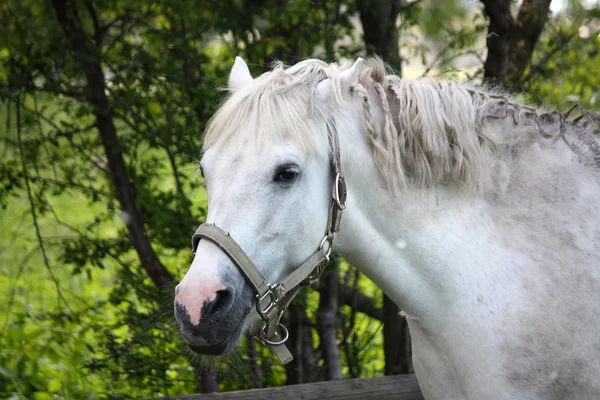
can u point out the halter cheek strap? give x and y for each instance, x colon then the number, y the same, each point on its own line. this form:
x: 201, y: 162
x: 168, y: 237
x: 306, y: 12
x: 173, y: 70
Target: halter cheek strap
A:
x: 273, y: 300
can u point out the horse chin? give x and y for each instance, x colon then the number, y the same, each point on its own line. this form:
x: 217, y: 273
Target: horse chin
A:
x: 223, y: 341
x: 213, y: 350
x: 221, y: 347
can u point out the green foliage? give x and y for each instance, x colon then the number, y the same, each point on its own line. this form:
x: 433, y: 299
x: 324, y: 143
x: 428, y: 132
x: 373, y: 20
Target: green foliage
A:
x: 441, y: 39
x: 80, y: 318
x: 566, y: 66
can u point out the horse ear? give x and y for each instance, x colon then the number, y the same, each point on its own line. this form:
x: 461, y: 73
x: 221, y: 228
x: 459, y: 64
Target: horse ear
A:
x: 350, y: 77
x: 240, y: 75
x: 347, y: 80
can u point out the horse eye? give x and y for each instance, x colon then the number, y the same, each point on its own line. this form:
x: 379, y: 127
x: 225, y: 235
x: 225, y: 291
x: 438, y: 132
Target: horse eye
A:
x: 287, y: 174
x: 201, y: 170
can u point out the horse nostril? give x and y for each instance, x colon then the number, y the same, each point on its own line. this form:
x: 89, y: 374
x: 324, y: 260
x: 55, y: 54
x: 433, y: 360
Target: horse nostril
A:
x: 221, y: 304
x: 197, y: 319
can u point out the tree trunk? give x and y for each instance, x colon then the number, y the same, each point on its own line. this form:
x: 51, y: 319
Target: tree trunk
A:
x: 207, y: 381
x: 530, y: 24
x: 327, y: 325
x: 396, y: 340
x: 511, y: 43
x: 303, y: 367
x: 253, y: 359
x: 378, y: 18
x: 88, y: 52
x: 501, y: 22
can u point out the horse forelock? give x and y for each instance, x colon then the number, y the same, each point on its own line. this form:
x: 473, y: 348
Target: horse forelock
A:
x: 433, y: 132
x: 278, y: 105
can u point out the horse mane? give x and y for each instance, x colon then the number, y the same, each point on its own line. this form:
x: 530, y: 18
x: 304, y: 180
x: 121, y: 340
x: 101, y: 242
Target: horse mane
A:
x: 433, y: 132
x: 440, y: 132
x: 279, y: 104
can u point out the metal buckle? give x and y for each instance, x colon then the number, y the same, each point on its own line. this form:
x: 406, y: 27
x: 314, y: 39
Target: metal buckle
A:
x: 340, y: 192
x: 316, y: 275
x: 265, y: 341
x: 272, y: 303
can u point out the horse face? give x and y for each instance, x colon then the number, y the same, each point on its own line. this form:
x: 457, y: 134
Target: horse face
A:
x: 274, y: 205
x: 273, y: 201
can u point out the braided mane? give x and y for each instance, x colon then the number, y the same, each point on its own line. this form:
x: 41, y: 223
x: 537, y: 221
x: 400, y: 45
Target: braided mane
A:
x: 433, y: 132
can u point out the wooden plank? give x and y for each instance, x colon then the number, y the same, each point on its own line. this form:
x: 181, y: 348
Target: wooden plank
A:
x: 398, y: 387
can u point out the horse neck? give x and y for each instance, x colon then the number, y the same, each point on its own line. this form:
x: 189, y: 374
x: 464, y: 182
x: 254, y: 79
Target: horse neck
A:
x: 404, y: 243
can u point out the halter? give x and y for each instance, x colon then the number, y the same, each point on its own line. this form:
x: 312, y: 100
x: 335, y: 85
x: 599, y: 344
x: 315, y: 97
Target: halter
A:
x: 273, y: 299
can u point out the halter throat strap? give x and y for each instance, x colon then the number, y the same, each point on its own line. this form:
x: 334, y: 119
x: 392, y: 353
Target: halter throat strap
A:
x: 273, y: 299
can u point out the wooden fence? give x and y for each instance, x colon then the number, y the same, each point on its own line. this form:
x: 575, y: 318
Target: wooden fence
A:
x: 398, y: 387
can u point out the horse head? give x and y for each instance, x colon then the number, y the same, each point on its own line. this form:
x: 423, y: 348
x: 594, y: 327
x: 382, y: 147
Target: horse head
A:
x: 275, y: 192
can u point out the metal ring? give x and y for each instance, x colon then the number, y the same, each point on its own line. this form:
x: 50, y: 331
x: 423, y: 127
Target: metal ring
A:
x: 328, y: 252
x: 340, y: 197
x: 328, y: 238
x: 323, y: 241
x: 263, y: 335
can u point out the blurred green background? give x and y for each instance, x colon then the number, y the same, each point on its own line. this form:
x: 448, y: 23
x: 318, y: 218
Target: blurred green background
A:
x: 102, y: 109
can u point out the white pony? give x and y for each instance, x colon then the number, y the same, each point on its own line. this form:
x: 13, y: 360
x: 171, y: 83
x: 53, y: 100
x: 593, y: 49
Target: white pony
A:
x: 476, y: 215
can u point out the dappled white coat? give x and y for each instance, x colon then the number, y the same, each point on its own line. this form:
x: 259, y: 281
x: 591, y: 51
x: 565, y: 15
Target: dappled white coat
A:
x: 477, y: 216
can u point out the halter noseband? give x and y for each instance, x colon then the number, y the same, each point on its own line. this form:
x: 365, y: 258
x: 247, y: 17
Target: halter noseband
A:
x: 273, y: 300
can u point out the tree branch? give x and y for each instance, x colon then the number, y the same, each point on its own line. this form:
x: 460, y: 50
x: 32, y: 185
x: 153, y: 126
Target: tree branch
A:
x: 559, y: 45
x: 96, y: 22
x: 32, y: 207
x: 90, y: 57
x: 51, y: 90
x: 74, y: 185
x: 408, y: 6
x: 360, y: 302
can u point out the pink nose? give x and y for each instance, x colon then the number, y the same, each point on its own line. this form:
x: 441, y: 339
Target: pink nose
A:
x: 199, y: 305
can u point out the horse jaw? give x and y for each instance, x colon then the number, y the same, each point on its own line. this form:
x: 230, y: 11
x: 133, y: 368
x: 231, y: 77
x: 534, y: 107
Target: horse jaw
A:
x: 240, y: 75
